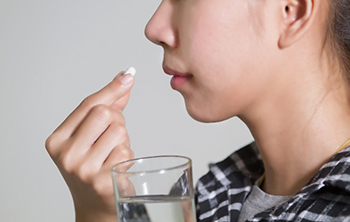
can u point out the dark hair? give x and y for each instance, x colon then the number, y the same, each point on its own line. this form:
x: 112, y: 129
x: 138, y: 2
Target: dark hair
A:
x: 340, y: 33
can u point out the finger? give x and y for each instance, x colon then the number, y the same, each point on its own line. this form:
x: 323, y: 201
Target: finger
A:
x: 121, y: 103
x: 108, y: 95
x: 187, y: 209
x: 125, y: 186
x: 114, y: 136
x: 94, y: 125
x: 104, y: 185
x: 119, y: 154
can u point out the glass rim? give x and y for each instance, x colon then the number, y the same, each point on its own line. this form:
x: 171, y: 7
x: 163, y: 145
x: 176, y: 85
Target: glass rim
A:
x: 188, y: 163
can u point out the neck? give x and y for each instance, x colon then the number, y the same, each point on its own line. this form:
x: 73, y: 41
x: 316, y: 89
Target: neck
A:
x: 301, y: 134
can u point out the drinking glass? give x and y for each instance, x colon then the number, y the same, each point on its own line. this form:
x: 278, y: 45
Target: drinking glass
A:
x: 154, y: 189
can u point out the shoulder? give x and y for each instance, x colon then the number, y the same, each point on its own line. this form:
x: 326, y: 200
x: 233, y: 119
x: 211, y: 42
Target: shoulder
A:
x: 326, y: 197
x: 326, y: 204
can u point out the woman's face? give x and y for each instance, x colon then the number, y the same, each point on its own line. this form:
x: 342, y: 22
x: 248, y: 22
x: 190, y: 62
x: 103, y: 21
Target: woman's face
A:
x: 225, y: 48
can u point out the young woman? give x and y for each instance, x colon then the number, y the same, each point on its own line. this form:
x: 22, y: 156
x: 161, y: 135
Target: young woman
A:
x: 282, y: 66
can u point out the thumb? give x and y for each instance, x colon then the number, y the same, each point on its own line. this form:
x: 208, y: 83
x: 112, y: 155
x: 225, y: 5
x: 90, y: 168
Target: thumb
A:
x: 121, y: 103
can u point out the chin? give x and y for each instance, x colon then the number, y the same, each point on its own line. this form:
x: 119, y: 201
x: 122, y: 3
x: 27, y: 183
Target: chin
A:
x: 206, y: 115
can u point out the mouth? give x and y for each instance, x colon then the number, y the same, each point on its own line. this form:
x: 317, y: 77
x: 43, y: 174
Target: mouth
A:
x: 179, y: 78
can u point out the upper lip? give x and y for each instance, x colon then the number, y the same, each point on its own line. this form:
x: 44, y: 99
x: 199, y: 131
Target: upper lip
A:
x: 172, y: 72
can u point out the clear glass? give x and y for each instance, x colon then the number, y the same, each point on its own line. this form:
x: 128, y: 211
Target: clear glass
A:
x: 154, y: 189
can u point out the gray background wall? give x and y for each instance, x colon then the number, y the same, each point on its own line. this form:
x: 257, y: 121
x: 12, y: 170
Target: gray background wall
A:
x: 53, y: 53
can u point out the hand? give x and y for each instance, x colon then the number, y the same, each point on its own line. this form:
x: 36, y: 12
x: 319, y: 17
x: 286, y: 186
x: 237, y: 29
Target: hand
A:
x: 87, y: 144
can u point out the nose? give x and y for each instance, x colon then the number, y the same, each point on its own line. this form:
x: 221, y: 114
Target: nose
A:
x: 160, y: 29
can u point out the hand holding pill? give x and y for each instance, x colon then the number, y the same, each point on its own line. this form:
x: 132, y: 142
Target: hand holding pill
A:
x: 88, y: 143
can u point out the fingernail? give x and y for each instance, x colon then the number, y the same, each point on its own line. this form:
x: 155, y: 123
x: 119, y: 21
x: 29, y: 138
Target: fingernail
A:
x: 126, y: 79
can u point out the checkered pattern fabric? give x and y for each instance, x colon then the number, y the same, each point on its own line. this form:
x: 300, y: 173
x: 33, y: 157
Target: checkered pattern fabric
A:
x: 222, y: 191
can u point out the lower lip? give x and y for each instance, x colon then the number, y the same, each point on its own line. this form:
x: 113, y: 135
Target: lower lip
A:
x: 178, y: 81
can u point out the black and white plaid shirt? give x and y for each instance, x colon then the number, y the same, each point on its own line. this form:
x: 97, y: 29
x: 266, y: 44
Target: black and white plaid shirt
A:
x: 222, y: 191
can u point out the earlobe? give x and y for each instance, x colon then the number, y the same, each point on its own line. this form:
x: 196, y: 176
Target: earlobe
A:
x: 297, y: 18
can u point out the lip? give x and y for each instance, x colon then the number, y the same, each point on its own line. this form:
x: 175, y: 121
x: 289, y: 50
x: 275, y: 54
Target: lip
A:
x: 179, y: 78
x: 172, y: 72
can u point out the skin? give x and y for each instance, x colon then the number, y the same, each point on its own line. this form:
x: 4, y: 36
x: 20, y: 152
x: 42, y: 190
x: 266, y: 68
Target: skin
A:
x: 267, y: 62
x: 88, y: 143
x: 274, y: 73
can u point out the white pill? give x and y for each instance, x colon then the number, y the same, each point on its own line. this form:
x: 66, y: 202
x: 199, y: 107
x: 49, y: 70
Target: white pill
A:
x: 130, y: 70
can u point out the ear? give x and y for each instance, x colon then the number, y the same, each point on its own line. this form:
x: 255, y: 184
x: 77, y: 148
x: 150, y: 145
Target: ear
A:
x: 297, y: 18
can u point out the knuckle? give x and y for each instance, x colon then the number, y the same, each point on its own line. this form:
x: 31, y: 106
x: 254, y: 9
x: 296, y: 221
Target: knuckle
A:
x: 88, y: 102
x: 131, y: 154
x: 66, y: 161
x: 120, y: 118
x: 83, y: 172
x: 126, y: 153
x: 50, y: 143
x: 119, y: 131
x: 102, y: 112
x: 53, y: 145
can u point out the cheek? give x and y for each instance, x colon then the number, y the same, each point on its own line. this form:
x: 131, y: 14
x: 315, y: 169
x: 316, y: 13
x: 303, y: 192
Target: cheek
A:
x: 220, y: 52
x: 216, y: 39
